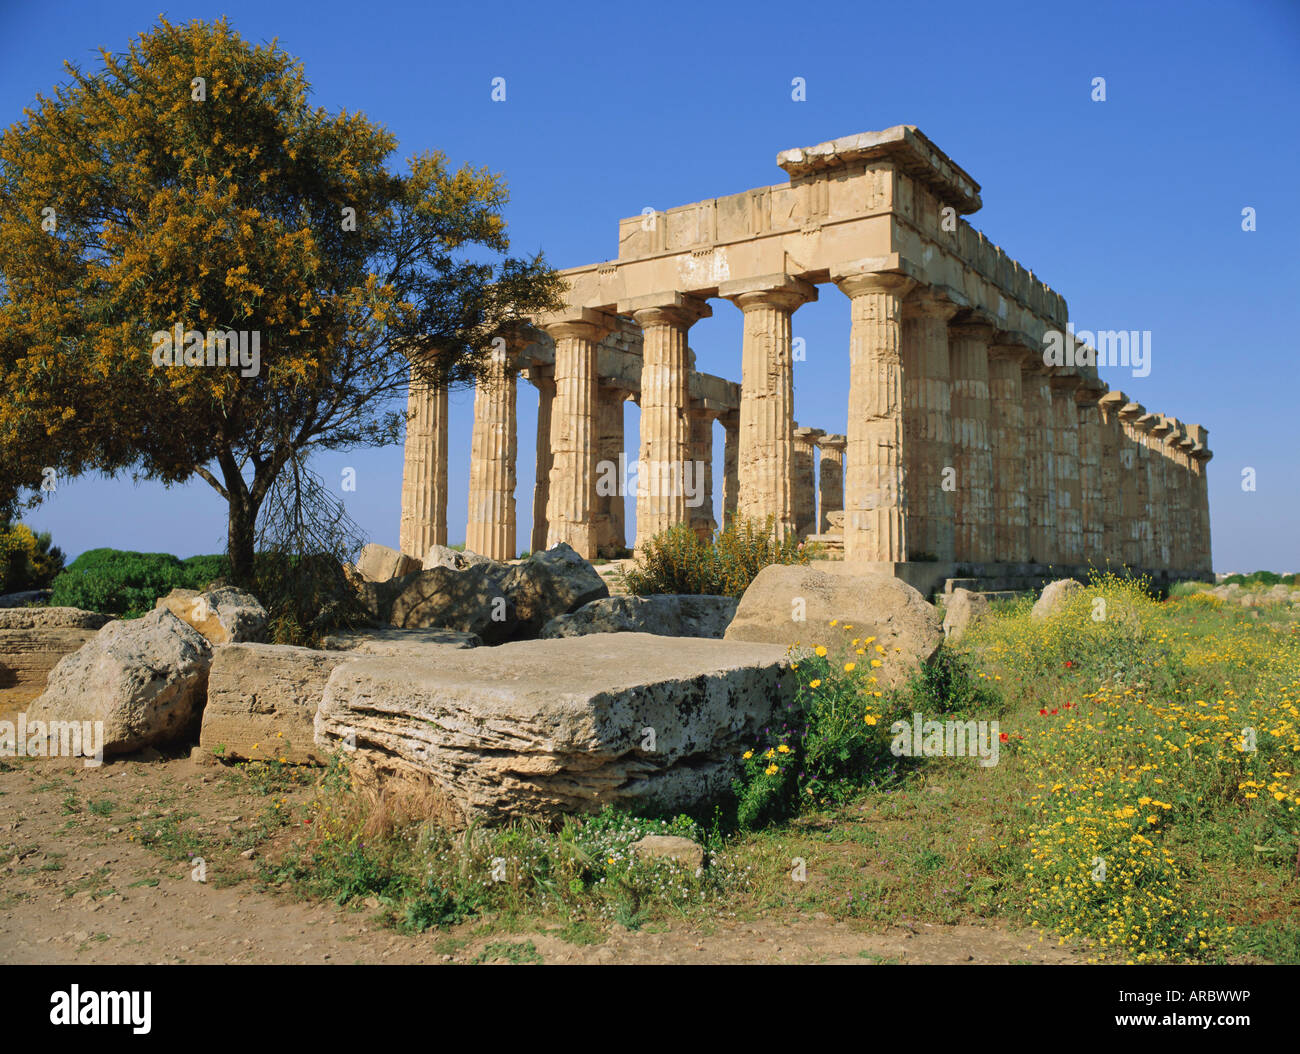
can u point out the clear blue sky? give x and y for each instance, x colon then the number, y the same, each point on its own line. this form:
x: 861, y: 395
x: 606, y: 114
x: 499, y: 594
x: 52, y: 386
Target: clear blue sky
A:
x: 1130, y: 208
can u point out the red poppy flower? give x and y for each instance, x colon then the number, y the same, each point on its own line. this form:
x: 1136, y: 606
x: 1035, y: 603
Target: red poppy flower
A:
x: 1003, y: 737
x: 1068, y: 664
x: 1053, y: 709
x: 1042, y: 713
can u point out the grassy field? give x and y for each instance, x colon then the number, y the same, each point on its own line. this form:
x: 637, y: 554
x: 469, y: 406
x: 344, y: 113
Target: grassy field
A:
x: 1142, y: 807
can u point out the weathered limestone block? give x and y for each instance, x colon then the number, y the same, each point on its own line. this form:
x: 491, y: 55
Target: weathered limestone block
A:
x: 470, y: 601
x: 794, y: 605
x: 32, y: 641
x: 378, y: 563
x: 1054, y: 596
x: 262, y: 701
x: 144, y: 678
x: 961, y: 607
x: 667, y: 615
x: 670, y: 847
x: 549, y: 584
x: 543, y: 728
x: 224, y: 615
x: 389, y: 640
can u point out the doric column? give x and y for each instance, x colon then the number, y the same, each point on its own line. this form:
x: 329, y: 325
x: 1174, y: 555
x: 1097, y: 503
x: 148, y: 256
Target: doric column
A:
x: 543, y: 378
x: 571, y: 510
x: 491, y: 528
x: 1115, y: 528
x: 1091, y: 511
x: 830, y: 478
x: 610, y: 533
x: 730, y: 466
x: 972, y: 451
x: 1069, y: 498
x: 804, y: 483
x: 1134, y: 460
x: 665, y: 320
x: 699, y: 478
x: 875, y: 488
x: 1186, y: 445
x: 1040, y: 461
x: 1176, y: 494
x: 767, y: 394
x: 927, y: 424
x: 1154, y: 429
x: 1201, y: 497
x: 424, y: 471
x: 1007, y: 438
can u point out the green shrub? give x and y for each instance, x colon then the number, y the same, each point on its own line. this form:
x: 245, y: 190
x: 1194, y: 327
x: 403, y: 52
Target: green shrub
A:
x: 830, y: 740
x: 679, y: 561
x: 119, y: 582
x: 27, y: 559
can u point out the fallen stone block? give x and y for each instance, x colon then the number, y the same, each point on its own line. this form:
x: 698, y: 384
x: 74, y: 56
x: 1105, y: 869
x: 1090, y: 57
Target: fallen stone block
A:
x: 542, y: 728
x: 144, y: 678
x: 794, y: 605
x: 469, y: 601
x: 667, y: 615
x: 262, y: 701
x: 549, y: 584
x: 378, y: 563
x: 225, y: 615
x: 32, y: 641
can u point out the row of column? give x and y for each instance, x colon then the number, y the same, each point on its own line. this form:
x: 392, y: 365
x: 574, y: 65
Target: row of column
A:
x: 961, y: 445
x: 964, y: 446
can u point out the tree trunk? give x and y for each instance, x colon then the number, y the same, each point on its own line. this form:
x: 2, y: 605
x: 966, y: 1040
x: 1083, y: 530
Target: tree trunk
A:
x: 240, y: 540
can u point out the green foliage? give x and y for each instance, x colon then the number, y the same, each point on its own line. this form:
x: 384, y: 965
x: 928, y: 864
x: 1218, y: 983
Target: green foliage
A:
x: 679, y: 561
x: 27, y: 560
x: 118, y: 582
x: 1262, y: 578
x: 948, y: 684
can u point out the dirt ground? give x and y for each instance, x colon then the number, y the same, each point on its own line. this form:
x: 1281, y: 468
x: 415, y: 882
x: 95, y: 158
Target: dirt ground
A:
x: 77, y: 886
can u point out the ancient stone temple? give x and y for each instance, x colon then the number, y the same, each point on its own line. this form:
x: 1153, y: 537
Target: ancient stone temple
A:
x: 970, y: 450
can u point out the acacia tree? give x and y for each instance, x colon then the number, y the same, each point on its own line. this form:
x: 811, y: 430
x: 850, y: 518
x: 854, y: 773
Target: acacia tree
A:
x: 189, y: 185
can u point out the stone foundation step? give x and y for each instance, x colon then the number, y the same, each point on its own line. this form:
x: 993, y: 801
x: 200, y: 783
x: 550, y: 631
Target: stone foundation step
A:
x: 961, y: 583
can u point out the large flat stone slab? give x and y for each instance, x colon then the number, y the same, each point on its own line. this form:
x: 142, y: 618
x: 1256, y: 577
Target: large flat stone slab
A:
x: 32, y: 641
x: 547, y: 727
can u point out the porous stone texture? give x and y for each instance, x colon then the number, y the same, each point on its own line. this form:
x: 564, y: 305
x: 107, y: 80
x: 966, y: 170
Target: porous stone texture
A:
x: 225, y: 615
x: 793, y: 605
x: 542, y: 728
x: 378, y: 563
x: 549, y: 584
x: 32, y: 641
x: 262, y: 700
x: 470, y: 601
x: 144, y: 678
x: 670, y: 847
x: 667, y: 615
x: 1053, y: 597
x: 388, y: 640
x: 961, y: 607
